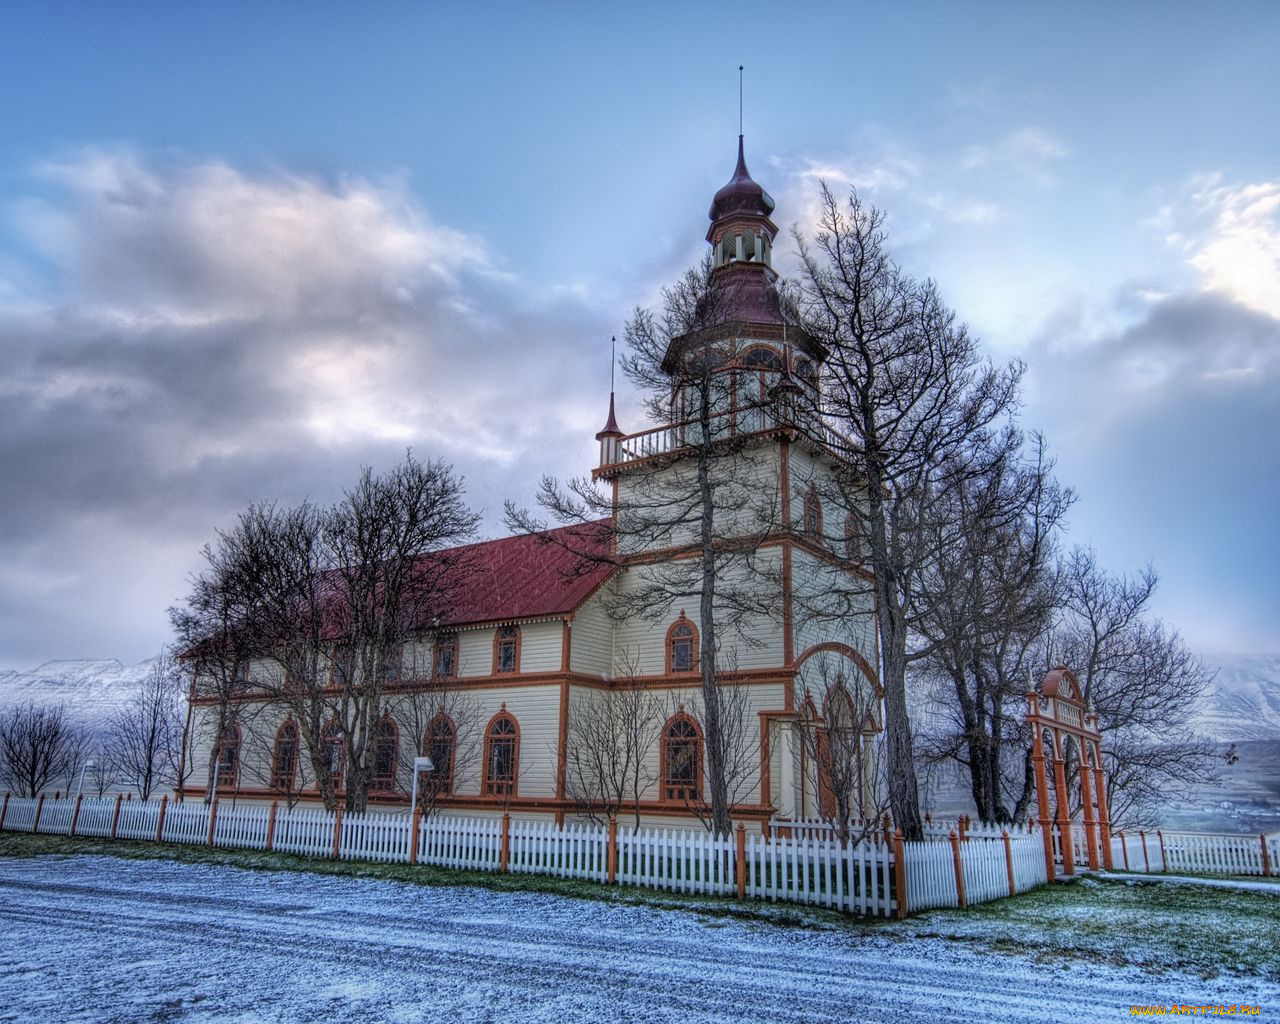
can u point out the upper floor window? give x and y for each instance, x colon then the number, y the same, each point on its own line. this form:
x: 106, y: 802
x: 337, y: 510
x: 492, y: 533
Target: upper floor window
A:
x: 446, y: 656
x: 386, y: 743
x: 228, y: 766
x: 852, y: 537
x: 506, y: 650
x: 331, y: 746
x: 439, y: 744
x: 393, y: 665
x: 681, y: 759
x: 501, y: 755
x: 811, y: 516
x: 342, y: 664
x: 284, y: 762
x: 682, y: 646
x: 242, y: 675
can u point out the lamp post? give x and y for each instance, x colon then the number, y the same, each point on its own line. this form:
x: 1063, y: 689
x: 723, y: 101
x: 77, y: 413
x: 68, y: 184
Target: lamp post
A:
x: 420, y: 764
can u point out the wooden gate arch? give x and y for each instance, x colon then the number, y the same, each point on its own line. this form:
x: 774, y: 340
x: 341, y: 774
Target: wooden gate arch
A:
x: 1061, y: 723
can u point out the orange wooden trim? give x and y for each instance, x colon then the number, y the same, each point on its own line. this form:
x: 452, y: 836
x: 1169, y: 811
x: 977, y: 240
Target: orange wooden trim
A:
x: 741, y: 863
x: 1064, y: 819
x: 766, y: 780
x: 788, y: 625
x: 415, y: 835
x: 959, y: 868
x: 498, y: 641
x: 613, y: 849
x: 271, y: 824
x: 506, y: 842
x: 566, y: 634
x: 899, y: 872
x: 278, y: 781
x: 1008, y: 860
x: 962, y: 823
x: 35, y: 825
x: 562, y: 746
x: 669, y: 644
x: 213, y: 817
x: 164, y: 804
x: 115, y: 819
x: 75, y: 814
x: 337, y: 832
x: 848, y: 652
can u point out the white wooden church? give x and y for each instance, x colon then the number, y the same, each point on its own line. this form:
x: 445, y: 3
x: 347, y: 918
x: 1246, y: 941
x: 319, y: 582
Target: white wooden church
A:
x: 538, y: 638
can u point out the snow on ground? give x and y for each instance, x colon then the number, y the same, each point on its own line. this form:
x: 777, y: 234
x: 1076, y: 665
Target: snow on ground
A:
x: 101, y: 939
x: 1239, y: 884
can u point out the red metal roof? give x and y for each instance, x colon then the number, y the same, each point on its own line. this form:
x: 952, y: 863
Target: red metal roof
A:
x: 525, y: 577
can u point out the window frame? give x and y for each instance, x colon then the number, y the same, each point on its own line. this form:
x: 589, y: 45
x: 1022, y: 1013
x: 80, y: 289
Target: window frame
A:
x: 382, y: 782
x: 499, y: 641
x: 678, y: 791
x: 331, y: 738
x: 229, y: 778
x: 278, y: 779
x: 683, y: 622
x: 441, y: 776
x: 445, y: 642
x: 493, y: 786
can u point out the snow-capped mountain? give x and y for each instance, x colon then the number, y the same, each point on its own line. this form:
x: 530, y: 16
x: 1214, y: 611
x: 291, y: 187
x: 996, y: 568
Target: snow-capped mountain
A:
x: 90, y: 689
x: 1244, y: 700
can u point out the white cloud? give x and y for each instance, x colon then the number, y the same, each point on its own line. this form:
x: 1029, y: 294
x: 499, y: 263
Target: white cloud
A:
x: 1238, y: 254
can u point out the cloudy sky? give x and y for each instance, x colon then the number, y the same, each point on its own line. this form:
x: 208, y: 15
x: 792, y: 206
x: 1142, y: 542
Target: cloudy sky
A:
x: 245, y: 249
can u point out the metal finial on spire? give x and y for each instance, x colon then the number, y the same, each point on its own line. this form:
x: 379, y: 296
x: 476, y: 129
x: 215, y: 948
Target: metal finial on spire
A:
x: 613, y: 359
x: 739, y: 99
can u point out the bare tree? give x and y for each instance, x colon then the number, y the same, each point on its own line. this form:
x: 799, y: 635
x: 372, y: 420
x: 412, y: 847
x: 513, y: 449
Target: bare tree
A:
x: 40, y: 746
x: 994, y: 588
x: 1143, y: 682
x: 698, y: 497
x: 144, y: 737
x: 910, y: 394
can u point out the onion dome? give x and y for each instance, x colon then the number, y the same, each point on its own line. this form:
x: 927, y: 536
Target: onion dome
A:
x: 742, y: 195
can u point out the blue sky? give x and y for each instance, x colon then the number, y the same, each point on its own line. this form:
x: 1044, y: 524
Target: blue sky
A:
x: 244, y: 248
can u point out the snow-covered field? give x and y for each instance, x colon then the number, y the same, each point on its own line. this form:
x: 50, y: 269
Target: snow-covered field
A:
x: 102, y: 939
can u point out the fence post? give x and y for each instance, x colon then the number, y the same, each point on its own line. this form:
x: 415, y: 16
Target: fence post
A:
x: 115, y: 818
x: 955, y: 859
x: 888, y: 829
x: 740, y: 863
x: 1164, y: 861
x: 35, y: 825
x: 164, y: 803
x: 962, y: 823
x: 1266, y: 858
x: 1124, y: 848
x: 1146, y: 861
x: 75, y: 815
x: 504, y: 856
x: 764, y: 829
x: 213, y: 818
x: 1008, y: 861
x: 900, y: 872
x: 271, y: 824
x: 415, y: 823
x: 337, y: 832
x: 613, y: 849
x: 4, y: 811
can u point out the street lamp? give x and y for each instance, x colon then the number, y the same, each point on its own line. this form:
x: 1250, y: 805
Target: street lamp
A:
x: 420, y: 764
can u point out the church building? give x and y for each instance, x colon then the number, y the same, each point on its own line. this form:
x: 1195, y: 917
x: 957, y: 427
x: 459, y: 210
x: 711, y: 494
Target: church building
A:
x: 552, y: 625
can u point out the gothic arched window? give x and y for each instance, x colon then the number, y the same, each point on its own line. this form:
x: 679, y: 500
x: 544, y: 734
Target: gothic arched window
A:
x: 852, y: 537
x: 681, y: 759
x: 811, y: 516
x: 506, y: 650
x: 284, y: 761
x: 386, y: 748
x: 331, y: 746
x: 501, y: 755
x: 439, y: 745
x: 228, y: 756
x: 682, y: 646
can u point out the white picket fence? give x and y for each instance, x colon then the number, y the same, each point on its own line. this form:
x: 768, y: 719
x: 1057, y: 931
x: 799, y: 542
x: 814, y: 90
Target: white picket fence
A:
x: 1196, y: 853
x: 803, y: 864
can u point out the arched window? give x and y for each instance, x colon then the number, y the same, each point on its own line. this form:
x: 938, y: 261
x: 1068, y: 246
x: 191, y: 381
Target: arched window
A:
x: 681, y: 759
x: 760, y: 368
x: 284, y: 762
x: 446, y: 659
x: 840, y: 757
x: 228, y: 757
x: 342, y: 665
x: 331, y: 744
x: 439, y: 744
x: 386, y: 744
x: 811, y: 517
x: 506, y: 650
x: 682, y: 646
x: 501, y: 755
x: 393, y: 665
x: 852, y: 538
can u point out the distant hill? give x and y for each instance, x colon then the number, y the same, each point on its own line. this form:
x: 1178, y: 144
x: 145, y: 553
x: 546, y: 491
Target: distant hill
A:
x: 1245, y: 703
x: 90, y: 689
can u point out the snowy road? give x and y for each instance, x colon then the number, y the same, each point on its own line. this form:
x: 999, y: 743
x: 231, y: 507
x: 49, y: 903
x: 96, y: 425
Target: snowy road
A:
x: 100, y: 939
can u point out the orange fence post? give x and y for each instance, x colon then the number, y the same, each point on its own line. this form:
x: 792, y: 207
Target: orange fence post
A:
x: 900, y: 873
x: 505, y: 855
x: 213, y: 818
x: 1164, y: 861
x: 115, y: 818
x: 955, y: 860
x: 164, y: 804
x: 1008, y: 860
x: 75, y: 814
x: 415, y: 824
x: 962, y: 823
x: 741, y: 861
x: 1146, y: 861
x: 35, y: 825
x: 271, y: 824
x: 613, y: 849
x: 1124, y: 849
x: 4, y: 811
x: 337, y: 832
x: 1266, y: 857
